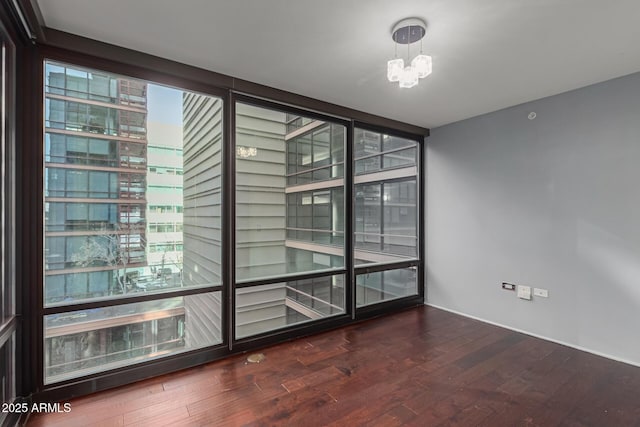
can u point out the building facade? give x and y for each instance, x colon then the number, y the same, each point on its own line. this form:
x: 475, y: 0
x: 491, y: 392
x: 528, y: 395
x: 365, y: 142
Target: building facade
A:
x: 95, y: 181
x: 98, y: 241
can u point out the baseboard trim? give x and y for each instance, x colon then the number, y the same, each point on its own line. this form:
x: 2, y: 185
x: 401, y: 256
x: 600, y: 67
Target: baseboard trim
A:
x: 577, y: 347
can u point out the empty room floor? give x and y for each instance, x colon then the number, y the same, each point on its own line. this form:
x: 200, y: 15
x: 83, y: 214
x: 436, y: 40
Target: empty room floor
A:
x: 423, y: 367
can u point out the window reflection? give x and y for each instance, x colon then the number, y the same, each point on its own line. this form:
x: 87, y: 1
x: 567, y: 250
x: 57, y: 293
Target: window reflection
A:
x: 290, y: 195
x: 386, y: 198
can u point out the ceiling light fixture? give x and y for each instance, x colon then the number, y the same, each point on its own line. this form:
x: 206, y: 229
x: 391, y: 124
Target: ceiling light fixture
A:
x: 409, y: 31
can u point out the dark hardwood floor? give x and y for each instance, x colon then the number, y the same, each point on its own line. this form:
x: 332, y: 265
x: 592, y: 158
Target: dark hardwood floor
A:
x: 423, y: 367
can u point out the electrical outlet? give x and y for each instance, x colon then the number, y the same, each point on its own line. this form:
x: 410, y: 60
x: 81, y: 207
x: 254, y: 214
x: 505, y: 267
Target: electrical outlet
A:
x: 508, y: 286
x: 524, y: 292
x: 539, y: 292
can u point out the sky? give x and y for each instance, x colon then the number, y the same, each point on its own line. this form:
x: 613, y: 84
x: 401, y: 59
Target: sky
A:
x: 164, y: 104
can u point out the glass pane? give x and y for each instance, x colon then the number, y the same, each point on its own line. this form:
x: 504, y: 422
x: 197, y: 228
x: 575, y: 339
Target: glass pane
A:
x: 400, y: 218
x: 381, y: 286
x: 386, y: 201
x: 84, y: 342
x: 268, y: 307
x: 399, y: 158
x: 375, y: 152
x: 133, y: 189
x: 282, y: 226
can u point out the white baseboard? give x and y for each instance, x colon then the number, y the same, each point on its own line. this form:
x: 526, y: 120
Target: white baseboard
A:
x: 577, y: 347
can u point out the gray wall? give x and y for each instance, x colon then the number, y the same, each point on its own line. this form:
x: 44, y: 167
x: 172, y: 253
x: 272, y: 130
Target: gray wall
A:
x: 553, y: 203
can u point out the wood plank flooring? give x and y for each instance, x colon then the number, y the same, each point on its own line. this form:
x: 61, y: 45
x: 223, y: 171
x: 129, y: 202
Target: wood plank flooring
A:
x: 422, y: 367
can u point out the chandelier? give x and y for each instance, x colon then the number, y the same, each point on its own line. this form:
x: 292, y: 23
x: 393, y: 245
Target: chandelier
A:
x: 409, y: 31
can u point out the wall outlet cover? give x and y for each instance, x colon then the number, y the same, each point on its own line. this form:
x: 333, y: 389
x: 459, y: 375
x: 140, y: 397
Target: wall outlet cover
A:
x: 539, y: 292
x: 524, y: 292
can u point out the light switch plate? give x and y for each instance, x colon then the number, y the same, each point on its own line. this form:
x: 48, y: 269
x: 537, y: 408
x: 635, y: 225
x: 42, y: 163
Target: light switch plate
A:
x: 524, y: 292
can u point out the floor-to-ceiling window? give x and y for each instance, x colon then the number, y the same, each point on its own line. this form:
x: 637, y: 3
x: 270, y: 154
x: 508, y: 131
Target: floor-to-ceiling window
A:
x: 181, y: 224
x: 132, y: 207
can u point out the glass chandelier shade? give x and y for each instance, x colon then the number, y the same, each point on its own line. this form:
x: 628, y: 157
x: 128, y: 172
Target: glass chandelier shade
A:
x: 395, y: 68
x: 409, y: 77
x: 423, y: 65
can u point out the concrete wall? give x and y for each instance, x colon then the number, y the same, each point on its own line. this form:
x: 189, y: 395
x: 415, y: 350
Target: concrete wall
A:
x: 553, y: 203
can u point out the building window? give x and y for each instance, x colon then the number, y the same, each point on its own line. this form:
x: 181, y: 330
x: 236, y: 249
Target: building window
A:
x: 126, y: 178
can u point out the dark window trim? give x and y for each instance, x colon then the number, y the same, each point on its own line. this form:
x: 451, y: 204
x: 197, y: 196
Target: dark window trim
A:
x: 140, y: 297
x: 18, y: 34
x: 350, y: 223
x: 389, y: 306
x: 395, y: 265
x: 285, y: 107
x: 290, y: 278
x: 139, y: 72
x: 392, y: 131
x: 127, y: 374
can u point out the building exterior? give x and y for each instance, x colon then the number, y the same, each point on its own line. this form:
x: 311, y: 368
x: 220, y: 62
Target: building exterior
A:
x: 289, y: 218
x: 164, y: 207
x: 386, y: 207
x: 98, y: 241
x: 95, y: 182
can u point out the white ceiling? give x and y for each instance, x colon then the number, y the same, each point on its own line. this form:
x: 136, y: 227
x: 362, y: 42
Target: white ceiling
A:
x: 487, y: 54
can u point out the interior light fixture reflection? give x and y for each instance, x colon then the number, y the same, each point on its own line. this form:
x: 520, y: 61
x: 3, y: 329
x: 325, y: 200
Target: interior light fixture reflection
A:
x: 246, y: 152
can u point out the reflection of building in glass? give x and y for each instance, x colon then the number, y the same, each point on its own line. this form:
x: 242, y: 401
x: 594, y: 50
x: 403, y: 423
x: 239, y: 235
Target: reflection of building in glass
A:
x: 202, y: 159
x: 81, y: 342
x: 96, y: 155
x: 202, y: 137
x: 87, y: 341
x: 289, y: 218
x: 386, y: 226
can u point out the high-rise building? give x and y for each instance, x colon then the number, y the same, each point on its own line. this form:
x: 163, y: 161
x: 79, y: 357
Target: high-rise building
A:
x: 95, y: 179
x: 97, y: 185
x: 164, y: 206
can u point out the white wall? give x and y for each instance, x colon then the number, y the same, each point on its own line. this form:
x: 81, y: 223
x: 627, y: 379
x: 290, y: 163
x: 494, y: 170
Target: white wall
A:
x: 552, y: 202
